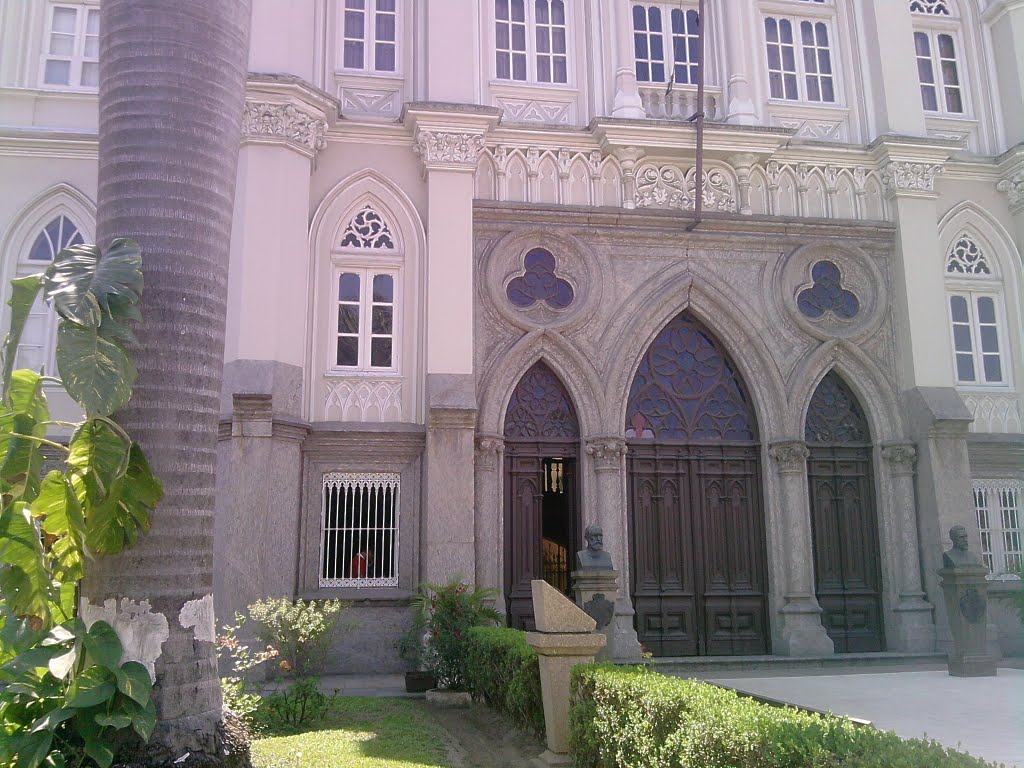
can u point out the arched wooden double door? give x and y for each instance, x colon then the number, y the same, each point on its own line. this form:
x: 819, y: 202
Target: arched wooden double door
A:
x: 542, y: 527
x: 698, y: 577
x: 847, y: 571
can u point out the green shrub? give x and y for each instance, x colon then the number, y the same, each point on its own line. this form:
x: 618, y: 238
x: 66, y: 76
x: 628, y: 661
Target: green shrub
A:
x: 299, y: 630
x: 635, y: 717
x: 295, y: 705
x: 448, y: 612
x: 502, y: 670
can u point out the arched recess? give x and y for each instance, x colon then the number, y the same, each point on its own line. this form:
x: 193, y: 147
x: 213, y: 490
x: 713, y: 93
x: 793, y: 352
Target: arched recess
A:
x: 542, y: 516
x: 334, y: 392
x: 698, y: 573
x: 59, y: 217
x: 844, y: 520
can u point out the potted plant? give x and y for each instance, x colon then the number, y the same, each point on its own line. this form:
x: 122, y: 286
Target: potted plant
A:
x: 447, y: 611
x: 412, y: 650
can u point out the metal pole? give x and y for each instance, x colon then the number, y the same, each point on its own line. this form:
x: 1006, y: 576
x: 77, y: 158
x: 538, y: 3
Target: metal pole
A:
x: 698, y: 118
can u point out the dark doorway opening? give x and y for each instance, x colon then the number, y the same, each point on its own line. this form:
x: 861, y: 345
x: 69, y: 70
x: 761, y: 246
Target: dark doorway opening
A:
x: 542, y: 521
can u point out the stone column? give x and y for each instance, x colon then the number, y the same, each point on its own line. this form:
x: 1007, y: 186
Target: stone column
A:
x: 626, y: 102
x: 798, y: 630
x: 608, y: 455
x: 742, y: 164
x: 913, y: 626
x: 1005, y: 22
x: 489, y: 516
x: 740, y: 51
x: 449, y: 142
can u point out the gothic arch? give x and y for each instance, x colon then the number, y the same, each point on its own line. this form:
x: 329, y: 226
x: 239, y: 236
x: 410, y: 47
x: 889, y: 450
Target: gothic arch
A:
x: 865, y: 379
x: 332, y: 216
x: 577, y: 375
x: 718, y: 308
x: 999, y: 244
x: 58, y: 199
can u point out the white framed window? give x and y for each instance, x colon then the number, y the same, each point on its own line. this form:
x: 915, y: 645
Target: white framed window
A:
x: 938, y: 72
x: 39, y: 337
x: 359, y: 529
x: 654, y: 25
x: 367, y: 284
x: 70, y: 55
x: 974, y: 303
x: 799, y: 59
x: 370, y: 36
x: 998, y: 508
x: 530, y: 41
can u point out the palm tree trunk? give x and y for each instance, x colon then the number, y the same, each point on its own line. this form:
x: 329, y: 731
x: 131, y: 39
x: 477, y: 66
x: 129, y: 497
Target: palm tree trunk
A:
x: 172, y: 88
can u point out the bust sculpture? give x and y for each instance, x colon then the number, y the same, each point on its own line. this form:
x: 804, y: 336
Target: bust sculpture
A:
x: 594, y: 556
x: 958, y: 555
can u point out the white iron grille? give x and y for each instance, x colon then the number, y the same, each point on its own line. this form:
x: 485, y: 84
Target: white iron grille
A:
x: 997, y: 503
x: 359, y: 524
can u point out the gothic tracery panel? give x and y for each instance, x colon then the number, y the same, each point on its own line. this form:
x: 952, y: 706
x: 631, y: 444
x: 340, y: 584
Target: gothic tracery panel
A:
x: 965, y: 257
x: 834, y: 415
x: 541, y: 408
x: 368, y: 229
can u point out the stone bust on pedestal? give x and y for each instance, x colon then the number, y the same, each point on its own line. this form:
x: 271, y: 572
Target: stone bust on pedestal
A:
x: 965, y: 589
x: 594, y: 556
x: 958, y: 555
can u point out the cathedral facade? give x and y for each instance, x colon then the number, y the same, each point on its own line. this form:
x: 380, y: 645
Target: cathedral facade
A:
x: 473, y: 308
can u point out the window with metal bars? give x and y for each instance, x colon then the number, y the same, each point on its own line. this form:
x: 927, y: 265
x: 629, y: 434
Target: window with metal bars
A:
x: 997, y: 504
x: 359, y: 530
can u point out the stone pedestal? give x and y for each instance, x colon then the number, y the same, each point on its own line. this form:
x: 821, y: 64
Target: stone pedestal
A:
x: 966, y: 591
x: 596, y: 593
x: 565, y: 638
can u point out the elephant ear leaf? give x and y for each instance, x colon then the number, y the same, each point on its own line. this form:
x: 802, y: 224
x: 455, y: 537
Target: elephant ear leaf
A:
x: 97, y: 372
x: 80, y: 282
x: 23, y: 295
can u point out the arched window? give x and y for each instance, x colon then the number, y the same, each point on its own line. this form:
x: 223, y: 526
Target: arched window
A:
x: 976, y: 314
x: 38, y: 340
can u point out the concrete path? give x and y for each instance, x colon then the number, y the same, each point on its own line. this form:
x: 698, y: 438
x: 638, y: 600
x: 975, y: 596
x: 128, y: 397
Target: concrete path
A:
x: 983, y: 716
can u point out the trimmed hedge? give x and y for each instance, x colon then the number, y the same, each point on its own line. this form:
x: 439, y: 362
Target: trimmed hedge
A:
x: 502, y: 670
x: 629, y: 716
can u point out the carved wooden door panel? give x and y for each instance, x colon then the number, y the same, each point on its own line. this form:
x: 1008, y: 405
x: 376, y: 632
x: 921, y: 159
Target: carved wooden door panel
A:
x: 843, y: 520
x: 541, y: 511
x: 698, y: 576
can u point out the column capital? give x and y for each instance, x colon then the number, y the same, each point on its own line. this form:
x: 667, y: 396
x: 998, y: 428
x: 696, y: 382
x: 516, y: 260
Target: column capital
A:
x: 900, y: 457
x: 289, y: 111
x: 449, y: 137
x: 607, y: 452
x: 489, y: 449
x: 790, y: 456
x: 908, y: 165
x: 1011, y: 181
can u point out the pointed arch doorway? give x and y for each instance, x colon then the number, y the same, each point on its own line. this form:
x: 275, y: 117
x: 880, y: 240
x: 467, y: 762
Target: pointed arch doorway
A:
x: 847, y: 568
x: 698, y: 578
x: 542, y: 520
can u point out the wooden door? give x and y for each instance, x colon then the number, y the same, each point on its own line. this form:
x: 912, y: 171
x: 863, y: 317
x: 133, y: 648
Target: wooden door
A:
x: 843, y: 519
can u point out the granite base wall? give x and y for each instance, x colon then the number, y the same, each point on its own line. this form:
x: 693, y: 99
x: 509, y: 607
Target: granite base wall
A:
x: 372, y: 646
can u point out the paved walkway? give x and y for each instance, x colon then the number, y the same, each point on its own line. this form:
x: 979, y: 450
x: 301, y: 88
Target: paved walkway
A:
x: 980, y: 715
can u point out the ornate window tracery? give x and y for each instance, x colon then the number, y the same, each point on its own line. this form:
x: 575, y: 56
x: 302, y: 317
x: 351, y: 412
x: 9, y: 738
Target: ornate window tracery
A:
x: 687, y: 388
x: 540, y: 282
x: 834, y: 416
x: 827, y: 294
x: 368, y: 229
x: 540, y: 408
x: 932, y: 7
x: 966, y: 258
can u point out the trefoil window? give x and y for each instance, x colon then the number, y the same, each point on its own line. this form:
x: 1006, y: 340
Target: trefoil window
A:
x: 359, y: 530
x: 370, y: 32
x: 530, y: 41
x: 804, y: 77
x: 72, y: 47
x: 680, y: 59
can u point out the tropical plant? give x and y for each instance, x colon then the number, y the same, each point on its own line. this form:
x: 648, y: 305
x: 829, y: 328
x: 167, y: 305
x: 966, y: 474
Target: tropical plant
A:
x: 240, y: 691
x: 171, y: 95
x: 65, y: 696
x: 448, y: 611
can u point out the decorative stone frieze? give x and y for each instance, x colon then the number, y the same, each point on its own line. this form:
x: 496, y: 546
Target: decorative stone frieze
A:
x: 358, y: 398
x: 449, y: 149
x: 265, y: 120
x: 667, y: 186
x: 900, y: 176
x: 790, y: 456
x: 994, y: 412
x: 489, y: 449
x: 607, y: 453
x: 1013, y: 188
x: 901, y: 457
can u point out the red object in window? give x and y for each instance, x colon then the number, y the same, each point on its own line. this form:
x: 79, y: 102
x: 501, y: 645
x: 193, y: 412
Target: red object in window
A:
x: 359, y: 563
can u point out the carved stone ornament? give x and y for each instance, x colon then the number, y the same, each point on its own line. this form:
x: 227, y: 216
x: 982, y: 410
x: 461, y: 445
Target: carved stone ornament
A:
x: 791, y: 457
x: 456, y: 149
x: 606, y: 453
x: 600, y: 609
x: 488, y: 449
x: 973, y: 606
x: 284, y: 121
x: 1013, y: 188
x: 902, y: 176
x: 667, y: 186
x: 900, y: 457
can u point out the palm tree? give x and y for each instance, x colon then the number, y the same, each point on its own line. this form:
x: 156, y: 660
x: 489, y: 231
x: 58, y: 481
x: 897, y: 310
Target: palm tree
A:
x: 172, y: 89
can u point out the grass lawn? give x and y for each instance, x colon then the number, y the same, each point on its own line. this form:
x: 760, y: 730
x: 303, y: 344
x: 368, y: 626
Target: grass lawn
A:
x: 361, y: 732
